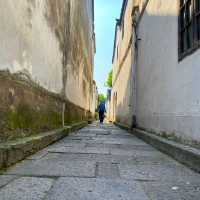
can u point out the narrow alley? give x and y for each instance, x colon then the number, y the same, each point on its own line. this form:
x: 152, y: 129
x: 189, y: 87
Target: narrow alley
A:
x: 99, y: 100
x: 99, y: 162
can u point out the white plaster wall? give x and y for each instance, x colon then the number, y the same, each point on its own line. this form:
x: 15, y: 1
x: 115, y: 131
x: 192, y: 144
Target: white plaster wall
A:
x: 123, y: 88
x: 168, y: 98
x: 28, y: 44
x: 122, y: 72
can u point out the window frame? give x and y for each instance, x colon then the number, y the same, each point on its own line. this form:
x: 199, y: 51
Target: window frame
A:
x: 183, y: 27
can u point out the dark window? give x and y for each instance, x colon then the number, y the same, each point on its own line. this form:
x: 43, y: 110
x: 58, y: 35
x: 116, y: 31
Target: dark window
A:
x: 189, y: 27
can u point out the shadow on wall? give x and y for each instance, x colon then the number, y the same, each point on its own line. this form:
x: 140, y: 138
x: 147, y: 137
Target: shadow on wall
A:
x: 149, y: 70
x: 124, y: 102
x: 167, y: 94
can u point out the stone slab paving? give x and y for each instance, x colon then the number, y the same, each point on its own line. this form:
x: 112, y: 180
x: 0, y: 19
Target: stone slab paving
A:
x: 86, y: 150
x: 107, y: 170
x: 4, y: 180
x: 96, y: 189
x: 156, y: 172
x: 50, y: 168
x: 99, y: 163
x: 26, y: 188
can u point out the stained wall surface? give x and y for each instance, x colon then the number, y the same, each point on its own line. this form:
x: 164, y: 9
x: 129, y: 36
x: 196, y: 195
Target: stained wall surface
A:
x: 52, y: 42
x: 46, y: 64
x: 78, y: 78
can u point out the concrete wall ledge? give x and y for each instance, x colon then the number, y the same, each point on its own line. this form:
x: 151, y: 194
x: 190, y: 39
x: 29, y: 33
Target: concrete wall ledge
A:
x: 123, y: 126
x: 185, y: 154
x: 15, y: 151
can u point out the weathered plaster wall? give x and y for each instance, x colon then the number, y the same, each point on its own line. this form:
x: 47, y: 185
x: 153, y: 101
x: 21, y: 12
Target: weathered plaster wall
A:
x: 28, y: 44
x: 79, y: 66
x: 53, y: 42
x: 168, y: 95
x: 50, y: 45
x: 122, y: 99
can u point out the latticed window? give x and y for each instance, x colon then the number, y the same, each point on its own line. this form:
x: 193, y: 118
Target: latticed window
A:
x: 189, y: 27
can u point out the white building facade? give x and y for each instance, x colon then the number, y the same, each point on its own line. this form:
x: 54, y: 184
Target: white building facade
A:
x: 166, y: 72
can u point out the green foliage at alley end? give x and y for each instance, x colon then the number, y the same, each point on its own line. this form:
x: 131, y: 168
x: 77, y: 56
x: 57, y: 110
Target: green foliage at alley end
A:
x: 108, y: 82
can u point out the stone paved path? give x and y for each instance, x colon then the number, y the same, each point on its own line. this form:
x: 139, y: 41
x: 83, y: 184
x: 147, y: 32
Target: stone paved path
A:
x: 100, y: 163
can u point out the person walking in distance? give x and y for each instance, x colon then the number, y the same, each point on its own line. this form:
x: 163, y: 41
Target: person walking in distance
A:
x: 102, y: 110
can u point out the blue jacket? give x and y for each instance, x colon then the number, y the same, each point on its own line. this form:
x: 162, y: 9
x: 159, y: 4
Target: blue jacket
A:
x: 102, y: 107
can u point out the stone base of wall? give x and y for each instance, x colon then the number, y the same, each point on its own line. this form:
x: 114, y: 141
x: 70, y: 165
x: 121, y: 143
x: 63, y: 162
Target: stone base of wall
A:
x: 27, y: 109
x: 123, y: 126
x: 15, y: 151
x: 182, y: 153
x: 126, y: 121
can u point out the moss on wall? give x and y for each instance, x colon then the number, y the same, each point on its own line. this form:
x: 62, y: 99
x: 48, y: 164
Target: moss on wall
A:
x: 28, y: 109
x: 25, y: 117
